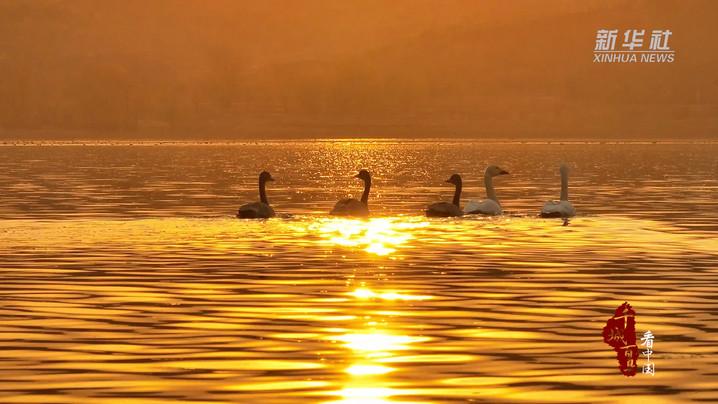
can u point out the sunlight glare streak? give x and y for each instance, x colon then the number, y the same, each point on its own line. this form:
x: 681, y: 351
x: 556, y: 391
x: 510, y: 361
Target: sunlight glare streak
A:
x: 377, y: 342
x: 378, y: 236
x: 365, y: 395
x: 365, y: 370
x: 365, y: 293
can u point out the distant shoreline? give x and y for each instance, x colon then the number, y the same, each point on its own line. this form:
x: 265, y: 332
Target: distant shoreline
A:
x: 215, y: 142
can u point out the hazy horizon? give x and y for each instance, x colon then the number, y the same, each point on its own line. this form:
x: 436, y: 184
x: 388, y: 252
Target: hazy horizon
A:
x: 405, y: 69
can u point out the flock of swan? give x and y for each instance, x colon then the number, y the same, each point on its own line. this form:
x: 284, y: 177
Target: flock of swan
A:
x: 360, y: 207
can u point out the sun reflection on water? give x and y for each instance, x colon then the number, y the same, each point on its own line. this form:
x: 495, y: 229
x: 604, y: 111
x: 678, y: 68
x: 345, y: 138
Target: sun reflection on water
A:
x: 364, y: 370
x: 377, y: 343
x: 365, y: 383
x: 365, y: 293
x: 371, y: 345
x: 379, y: 236
x: 126, y: 282
x: 365, y: 395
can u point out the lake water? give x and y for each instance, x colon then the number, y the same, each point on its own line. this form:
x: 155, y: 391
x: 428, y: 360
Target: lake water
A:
x: 126, y: 277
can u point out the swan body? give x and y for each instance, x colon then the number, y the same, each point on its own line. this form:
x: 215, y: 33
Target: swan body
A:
x: 261, y: 209
x: 486, y: 207
x: 349, y: 207
x: 255, y: 210
x: 491, y: 205
x: 443, y: 209
x: 558, y: 209
x: 446, y: 209
x: 561, y: 208
x: 354, y: 207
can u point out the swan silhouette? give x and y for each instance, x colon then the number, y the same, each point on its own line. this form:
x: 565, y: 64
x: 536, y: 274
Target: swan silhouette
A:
x: 351, y: 206
x: 261, y: 209
x: 490, y: 206
x: 446, y: 209
x: 562, y: 208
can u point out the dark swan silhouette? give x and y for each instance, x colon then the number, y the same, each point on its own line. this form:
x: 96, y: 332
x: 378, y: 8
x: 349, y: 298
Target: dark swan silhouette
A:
x: 261, y: 209
x: 351, y: 206
x: 446, y: 209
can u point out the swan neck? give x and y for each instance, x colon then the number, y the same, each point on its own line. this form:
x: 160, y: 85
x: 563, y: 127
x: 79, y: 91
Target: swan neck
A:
x: 263, y: 192
x: 365, y: 195
x: 457, y: 195
x: 564, y: 185
x: 489, y: 183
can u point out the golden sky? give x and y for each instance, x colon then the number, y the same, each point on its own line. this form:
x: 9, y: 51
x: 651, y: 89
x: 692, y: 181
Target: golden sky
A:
x: 407, y: 68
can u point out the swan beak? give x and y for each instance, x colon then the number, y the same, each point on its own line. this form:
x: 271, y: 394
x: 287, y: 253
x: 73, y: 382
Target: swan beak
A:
x: 504, y: 172
x: 356, y: 176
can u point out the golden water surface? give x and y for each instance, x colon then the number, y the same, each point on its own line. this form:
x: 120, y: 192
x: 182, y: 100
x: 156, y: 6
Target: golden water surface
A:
x: 126, y: 279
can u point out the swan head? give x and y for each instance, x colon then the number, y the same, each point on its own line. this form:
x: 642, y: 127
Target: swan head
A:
x: 454, y: 179
x: 363, y: 175
x: 265, y: 176
x: 494, y: 171
x: 564, y: 169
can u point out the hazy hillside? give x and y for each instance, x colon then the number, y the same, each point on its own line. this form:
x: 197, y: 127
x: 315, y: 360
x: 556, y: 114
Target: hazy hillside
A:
x: 323, y: 69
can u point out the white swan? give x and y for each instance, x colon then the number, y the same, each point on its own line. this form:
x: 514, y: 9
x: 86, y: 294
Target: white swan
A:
x: 351, y: 206
x: 490, y: 206
x: 261, y: 209
x: 562, y: 208
x: 446, y: 209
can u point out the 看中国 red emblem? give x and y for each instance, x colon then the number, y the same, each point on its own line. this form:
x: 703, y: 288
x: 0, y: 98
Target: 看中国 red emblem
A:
x: 620, y: 333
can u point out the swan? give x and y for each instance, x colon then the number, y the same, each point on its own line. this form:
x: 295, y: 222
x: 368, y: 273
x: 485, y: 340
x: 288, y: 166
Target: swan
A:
x: 261, y: 209
x: 490, y: 206
x: 446, y: 209
x: 562, y: 208
x: 351, y: 206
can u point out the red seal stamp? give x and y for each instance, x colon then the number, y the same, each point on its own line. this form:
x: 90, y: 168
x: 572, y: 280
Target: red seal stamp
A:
x: 620, y: 333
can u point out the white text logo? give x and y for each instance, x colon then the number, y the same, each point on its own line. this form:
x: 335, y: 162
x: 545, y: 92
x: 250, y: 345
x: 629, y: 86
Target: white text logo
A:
x: 633, y: 46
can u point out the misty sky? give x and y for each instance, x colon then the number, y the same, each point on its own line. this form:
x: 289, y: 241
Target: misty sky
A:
x: 410, y: 68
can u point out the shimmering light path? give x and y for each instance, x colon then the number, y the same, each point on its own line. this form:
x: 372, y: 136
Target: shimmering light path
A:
x: 288, y: 310
x: 114, y: 292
